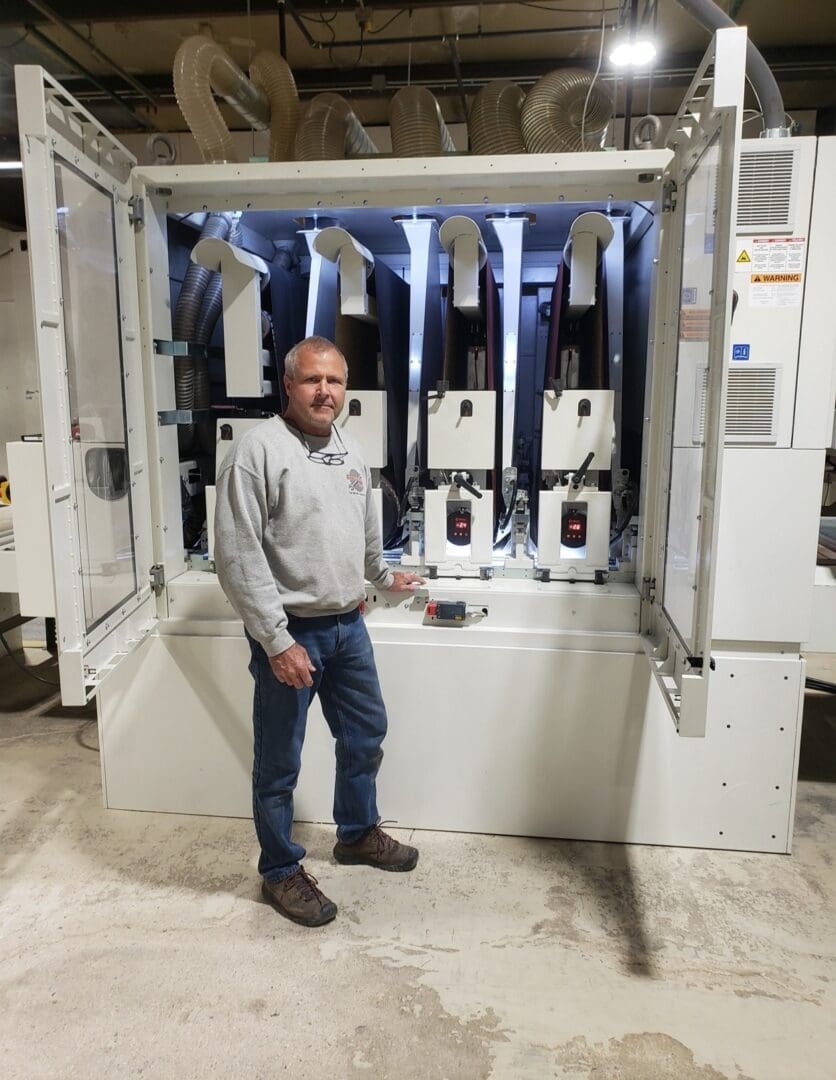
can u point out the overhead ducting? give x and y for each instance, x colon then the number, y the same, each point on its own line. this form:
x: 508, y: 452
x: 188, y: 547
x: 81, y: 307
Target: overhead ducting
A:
x: 766, y: 88
x: 417, y: 126
x: 566, y: 111
x: 201, y: 70
x: 330, y: 130
x: 495, y: 119
x: 271, y: 74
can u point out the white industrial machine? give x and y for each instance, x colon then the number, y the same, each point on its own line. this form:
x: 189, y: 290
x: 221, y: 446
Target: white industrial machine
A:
x: 536, y: 338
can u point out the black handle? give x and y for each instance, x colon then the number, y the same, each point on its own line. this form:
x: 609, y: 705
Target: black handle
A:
x: 581, y: 473
x: 461, y: 480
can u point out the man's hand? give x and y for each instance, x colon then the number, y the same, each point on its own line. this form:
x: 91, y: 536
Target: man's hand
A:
x: 405, y: 582
x: 293, y: 667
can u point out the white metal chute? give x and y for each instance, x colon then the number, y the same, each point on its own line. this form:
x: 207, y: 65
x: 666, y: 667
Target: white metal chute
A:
x: 461, y: 238
x: 355, y: 264
x: 589, y: 237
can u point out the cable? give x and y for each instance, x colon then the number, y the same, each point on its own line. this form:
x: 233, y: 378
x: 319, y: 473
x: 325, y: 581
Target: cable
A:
x: 388, y: 23
x: 23, y: 668
x: 560, y: 10
x: 821, y: 685
x: 595, y: 76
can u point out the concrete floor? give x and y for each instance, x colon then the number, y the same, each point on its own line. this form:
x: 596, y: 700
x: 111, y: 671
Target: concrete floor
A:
x: 136, y: 944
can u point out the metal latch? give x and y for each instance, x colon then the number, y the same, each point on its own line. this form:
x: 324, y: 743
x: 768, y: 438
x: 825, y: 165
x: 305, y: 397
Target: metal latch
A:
x: 157, y: 578
x: 649, y: 589
x: 136, y: 212
x: 669, y: 195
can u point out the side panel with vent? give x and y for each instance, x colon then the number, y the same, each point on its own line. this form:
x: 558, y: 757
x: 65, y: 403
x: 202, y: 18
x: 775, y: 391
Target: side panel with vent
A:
x: 773, y: 232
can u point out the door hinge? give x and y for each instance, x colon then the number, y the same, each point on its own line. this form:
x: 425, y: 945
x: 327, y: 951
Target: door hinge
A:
x: 136, y: 212
x: 669, y: 195
x: 649, y: 589
x: 157, y: 578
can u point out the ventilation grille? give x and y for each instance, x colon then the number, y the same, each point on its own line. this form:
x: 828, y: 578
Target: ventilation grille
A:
x: 764, y: 198
x: 751, y: 405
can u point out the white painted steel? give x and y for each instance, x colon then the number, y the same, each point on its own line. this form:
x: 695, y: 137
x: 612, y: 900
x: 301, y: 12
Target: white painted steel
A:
x: 242, y: 278
x: 597, y: 553
x: 766, y: 554
x: 590, y: 235
x: 543, y: 742
x: 461, y: 238
x: 568, y: 437
x: 368, y: 429
x: 822, y: 636
x: 35, y: 582
x: 456, y: 441
x: 438, y: 551
x: 355, y: 264
x: 55, y: 129
x: 816, y: 393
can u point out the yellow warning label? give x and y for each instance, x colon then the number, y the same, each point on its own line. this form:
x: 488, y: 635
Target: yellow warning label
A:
x: 776, y: 279
x: 743, y: 257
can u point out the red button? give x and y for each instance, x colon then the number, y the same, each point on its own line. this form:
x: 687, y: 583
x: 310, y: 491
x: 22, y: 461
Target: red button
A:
x: 431, y: 609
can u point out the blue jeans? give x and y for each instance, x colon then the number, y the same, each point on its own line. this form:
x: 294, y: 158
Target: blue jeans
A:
x: 349, y: 692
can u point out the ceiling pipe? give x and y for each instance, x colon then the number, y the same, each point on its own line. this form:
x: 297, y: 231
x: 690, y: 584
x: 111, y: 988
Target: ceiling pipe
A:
x: 54, y: 17
x: 763, y: 82
x: 71, y: 62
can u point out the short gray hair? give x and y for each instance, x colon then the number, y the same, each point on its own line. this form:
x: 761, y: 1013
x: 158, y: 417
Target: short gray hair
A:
x: 314, y: 344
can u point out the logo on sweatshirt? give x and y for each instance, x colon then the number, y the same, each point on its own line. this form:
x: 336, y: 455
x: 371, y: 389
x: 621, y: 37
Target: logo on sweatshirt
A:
x: 356, y: 482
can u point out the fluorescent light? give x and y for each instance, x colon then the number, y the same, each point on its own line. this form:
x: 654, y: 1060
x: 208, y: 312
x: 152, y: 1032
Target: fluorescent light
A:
x: 11, y: 166
x: 633, y: 54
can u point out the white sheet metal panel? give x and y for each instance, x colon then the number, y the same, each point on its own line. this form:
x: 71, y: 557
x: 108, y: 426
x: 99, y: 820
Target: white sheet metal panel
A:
x: 823, y: 621
x: 766, y: 556
x: 368, y: 426
x: 540, y: 742
x: 437, y: 548
x: 459, y: 441
x: 767, y: 320
x: 569, y: 436
x: 35, y: 582
x: 816, y: 393
x: 549, y: 548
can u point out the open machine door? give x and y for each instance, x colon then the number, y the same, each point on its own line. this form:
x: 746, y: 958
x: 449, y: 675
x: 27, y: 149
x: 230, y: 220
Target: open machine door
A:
x: 695, y: 307
x: 81, y: 244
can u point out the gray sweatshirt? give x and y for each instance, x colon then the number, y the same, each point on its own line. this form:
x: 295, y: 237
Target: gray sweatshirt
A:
x: 294, y: 534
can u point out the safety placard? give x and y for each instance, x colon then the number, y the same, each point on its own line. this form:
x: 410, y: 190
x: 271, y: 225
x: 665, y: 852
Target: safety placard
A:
x: 775, y: 268
x: 779, y: 254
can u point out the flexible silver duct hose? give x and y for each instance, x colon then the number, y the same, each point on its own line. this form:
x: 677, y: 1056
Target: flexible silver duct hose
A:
x: 709, y: 15
x: 330, y: 130
x: 416, y: 124
x: 201, y: 66
x: 271, y: 74
x: 494, y: 124
x: 553, y: 113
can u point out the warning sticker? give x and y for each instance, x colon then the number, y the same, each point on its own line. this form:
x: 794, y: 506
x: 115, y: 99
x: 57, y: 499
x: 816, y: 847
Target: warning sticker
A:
x: 775, y: 290
x: 779, y: 254
x: 743, y: 260
x: 775, y: 279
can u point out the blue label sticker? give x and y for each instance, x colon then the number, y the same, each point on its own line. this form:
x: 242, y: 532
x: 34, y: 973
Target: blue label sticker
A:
x: 689, y: 296
x: 740, y: 352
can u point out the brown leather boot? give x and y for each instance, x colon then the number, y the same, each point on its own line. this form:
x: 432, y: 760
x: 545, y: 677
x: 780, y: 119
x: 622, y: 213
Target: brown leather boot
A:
x: 298, y: 899
x: 377, y: 848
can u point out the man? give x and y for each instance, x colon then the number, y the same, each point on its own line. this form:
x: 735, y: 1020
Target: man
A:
x: 296, y: 536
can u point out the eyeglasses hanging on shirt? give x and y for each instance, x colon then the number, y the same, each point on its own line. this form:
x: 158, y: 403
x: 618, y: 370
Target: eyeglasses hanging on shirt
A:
x: 323, y: 457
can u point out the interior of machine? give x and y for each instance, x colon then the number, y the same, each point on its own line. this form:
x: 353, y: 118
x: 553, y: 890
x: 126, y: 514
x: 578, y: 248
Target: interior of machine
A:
x: 448, y: 466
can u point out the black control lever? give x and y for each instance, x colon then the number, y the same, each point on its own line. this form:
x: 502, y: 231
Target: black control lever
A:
x: 461, y: 480
x: 577, y: 479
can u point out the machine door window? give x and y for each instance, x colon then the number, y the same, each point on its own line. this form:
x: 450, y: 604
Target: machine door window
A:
x: 690, y: 377
x: 82, y: 264
x: 96, y: 390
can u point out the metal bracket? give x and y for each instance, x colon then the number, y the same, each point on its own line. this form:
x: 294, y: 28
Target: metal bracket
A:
x: 136, y: 212
x: 168, y: 417
x: 669, y: 192
x: 157, y: 577
x: 649, y: 589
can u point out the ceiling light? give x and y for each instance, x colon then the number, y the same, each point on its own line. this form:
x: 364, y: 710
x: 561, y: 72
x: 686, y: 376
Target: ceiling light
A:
x: 11, y: 166
x: 633, y: 54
